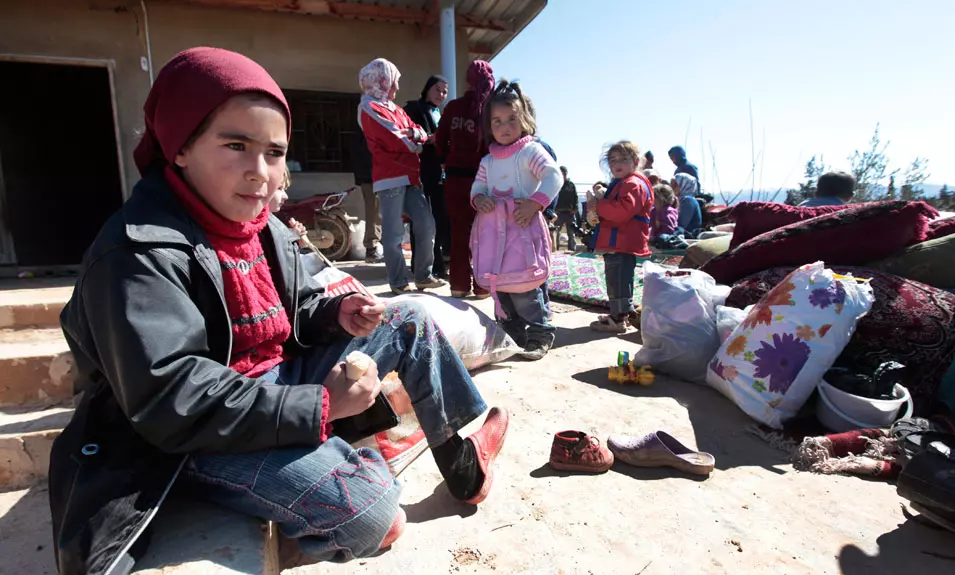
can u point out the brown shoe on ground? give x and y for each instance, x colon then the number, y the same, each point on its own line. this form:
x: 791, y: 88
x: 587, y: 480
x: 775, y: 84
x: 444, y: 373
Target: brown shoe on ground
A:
x: 577, y: 451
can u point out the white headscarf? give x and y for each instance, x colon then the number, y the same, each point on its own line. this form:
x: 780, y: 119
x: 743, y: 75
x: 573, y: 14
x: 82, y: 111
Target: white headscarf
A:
x: 377, y: 78
x: 689, y: 186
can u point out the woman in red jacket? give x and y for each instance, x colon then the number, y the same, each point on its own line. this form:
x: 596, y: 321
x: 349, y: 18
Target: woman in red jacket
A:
x: 460, y: 145
x: 395, y: 142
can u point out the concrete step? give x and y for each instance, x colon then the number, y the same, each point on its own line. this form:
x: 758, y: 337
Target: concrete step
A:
x: 193, y: 538
x: 190, y: 538
x: 33, y: 303
x: 26, y: 438
x: 37, y: 367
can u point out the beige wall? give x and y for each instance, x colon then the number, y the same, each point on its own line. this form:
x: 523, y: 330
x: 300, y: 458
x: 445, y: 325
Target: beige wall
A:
x: 301, y: 52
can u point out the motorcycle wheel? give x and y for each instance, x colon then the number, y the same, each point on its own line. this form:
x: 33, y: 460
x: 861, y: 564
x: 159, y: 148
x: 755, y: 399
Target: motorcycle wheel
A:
x: 341, y: 236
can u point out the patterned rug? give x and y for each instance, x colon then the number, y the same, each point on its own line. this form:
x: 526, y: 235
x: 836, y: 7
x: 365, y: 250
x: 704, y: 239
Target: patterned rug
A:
x: 581, y: 278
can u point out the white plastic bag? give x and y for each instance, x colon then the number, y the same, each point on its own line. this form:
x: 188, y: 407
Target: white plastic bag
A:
x: 678, y: 321
x: 727, y: 318
x: 477, y: 339
x: 773, y: 360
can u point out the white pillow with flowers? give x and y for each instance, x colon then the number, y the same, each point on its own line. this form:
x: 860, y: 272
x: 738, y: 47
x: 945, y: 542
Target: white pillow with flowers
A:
x: 772, y: 361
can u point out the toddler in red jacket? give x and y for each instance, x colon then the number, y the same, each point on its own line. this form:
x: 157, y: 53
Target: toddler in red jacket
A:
x: 623, y: 231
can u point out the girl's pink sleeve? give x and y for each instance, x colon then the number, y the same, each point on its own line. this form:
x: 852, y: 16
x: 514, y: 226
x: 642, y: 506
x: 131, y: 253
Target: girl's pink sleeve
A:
x: 480, y: 187
x: 546, y: 170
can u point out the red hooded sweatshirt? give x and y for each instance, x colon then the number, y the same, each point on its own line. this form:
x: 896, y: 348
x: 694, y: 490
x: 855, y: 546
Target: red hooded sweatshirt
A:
x: 458, y: 140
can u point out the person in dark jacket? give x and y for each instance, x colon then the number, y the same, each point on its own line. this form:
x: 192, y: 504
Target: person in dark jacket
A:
x: 206, y: 357
x: 567, y: 209
x: 678, y: 157
x: 426, y: 112
x: 460, y: 147
x: 361, y: 168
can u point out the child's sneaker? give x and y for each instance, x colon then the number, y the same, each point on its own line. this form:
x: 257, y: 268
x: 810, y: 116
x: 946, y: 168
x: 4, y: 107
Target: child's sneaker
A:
x: 430, y: 283
x: 633, y: 318
x: 577, y: 451
x: 535, y: 350
x: 609, y: 324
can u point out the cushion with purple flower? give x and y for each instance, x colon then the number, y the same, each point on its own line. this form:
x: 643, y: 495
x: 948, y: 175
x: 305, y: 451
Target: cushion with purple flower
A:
x: 910, y: 322
x: 770, y: 364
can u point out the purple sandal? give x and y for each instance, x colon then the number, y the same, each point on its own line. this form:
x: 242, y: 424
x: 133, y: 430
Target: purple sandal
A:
x: 660, y: 449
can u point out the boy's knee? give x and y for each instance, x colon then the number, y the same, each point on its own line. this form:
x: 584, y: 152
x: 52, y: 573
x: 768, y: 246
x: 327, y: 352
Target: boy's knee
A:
x: 365, y: 532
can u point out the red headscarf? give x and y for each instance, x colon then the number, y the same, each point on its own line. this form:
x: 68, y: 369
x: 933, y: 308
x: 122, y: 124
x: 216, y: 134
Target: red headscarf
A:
x: 481, y: 77
x: 189, y: 88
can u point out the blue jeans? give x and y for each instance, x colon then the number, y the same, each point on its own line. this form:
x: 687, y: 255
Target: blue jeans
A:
x: 337, y: 501
x: 619, y: 269
x: 393, y: 203
x: 526, y: 319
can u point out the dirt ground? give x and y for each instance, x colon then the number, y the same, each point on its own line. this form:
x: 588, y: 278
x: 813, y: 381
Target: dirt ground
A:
x: 754, y: 514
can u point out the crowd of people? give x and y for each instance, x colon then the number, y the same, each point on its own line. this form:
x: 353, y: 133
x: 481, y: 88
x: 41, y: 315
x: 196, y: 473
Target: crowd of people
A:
x: 206, y: 357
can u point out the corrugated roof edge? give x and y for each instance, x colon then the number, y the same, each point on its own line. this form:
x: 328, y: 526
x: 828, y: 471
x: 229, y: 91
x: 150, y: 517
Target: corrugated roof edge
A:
x: 533, y: 11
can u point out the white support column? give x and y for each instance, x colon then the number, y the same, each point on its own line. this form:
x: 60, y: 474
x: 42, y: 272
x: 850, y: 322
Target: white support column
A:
x: 449, y: 49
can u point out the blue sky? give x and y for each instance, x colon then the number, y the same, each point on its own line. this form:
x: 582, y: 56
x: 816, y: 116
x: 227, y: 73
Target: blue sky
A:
x: 820, y: 75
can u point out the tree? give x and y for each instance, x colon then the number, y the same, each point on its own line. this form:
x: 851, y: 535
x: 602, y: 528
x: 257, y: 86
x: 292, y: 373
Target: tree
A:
x: 915, y: 176
x: 870, y: 168
x: 890, y: 194
x: 807, y: 189
x: 945, y: 198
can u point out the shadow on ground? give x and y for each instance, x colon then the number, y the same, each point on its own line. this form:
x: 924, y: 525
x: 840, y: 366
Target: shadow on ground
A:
x: 718, y: 424
x: 26, y: 534
x: 640, y: 473
x: 914, y: 544
x: 438, y: 505
x: 63, y: 279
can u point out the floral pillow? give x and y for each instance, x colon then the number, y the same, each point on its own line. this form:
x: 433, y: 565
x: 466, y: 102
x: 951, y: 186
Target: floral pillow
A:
x: 910, y: 322
x: 771, y: 363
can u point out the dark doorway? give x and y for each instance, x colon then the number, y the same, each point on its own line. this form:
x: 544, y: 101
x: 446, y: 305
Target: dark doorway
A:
x: 60, y: 170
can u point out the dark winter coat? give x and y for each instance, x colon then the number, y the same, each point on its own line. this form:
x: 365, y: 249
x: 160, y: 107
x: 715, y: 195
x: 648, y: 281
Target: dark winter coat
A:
x: 148, y: 328
x: 420, y: 112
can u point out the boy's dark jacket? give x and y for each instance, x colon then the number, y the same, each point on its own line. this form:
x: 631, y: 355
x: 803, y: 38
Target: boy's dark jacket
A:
x: 148, y: 328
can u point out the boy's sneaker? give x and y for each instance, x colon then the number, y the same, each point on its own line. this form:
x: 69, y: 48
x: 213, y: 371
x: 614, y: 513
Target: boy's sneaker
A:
x: 535, y: 350
x: 577, y: 451
x: 430, y: 283
x: 458, y: 294
x: 405, y: 289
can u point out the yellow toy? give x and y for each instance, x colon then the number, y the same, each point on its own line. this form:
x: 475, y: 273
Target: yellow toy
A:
x: 629, y: 373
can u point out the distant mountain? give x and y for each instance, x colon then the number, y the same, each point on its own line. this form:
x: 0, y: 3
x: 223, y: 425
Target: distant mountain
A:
x: 932, y: 190
x: 928, y: 190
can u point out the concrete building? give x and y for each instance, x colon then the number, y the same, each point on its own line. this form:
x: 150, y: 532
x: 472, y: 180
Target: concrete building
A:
x: 75, y: 74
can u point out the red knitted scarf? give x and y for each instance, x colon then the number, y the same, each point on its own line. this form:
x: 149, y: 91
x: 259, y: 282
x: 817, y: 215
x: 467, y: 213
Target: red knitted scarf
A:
x: 259, y: 321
